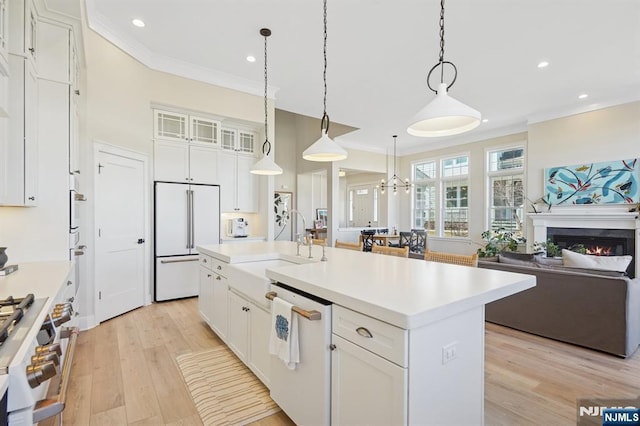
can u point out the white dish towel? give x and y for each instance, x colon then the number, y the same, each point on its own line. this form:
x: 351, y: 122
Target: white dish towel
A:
x: 283, y: 341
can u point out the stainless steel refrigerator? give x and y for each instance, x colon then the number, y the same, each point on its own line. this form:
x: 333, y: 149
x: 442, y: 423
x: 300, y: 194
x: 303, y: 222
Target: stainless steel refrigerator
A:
x: 186, y: 215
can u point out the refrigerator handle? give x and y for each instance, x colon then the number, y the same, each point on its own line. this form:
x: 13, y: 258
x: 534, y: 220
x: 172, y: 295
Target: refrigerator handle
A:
x: 193, y: 222
x: 188, y: 219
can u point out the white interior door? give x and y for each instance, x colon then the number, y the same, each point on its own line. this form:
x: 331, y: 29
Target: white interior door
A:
x: 120, y: 223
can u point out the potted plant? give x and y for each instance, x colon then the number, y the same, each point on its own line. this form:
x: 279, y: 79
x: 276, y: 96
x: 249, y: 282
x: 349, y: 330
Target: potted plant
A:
x: 499, y: 241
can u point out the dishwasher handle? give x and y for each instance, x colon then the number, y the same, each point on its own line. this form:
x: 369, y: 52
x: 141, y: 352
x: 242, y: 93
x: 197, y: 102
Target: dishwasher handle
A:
x: 310, y: 315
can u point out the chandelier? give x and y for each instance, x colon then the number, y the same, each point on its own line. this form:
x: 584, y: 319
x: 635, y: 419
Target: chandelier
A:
x: 395, y: 182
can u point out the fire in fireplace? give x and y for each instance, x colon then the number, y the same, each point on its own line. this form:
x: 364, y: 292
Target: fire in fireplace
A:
x: 600, y: 242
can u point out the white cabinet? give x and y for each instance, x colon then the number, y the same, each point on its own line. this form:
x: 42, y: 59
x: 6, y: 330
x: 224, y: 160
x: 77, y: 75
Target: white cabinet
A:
x: 180, y: 162
x: 175, y: 126
x: 21, y: 148
x: 238, y: 187
x: 23, y: 30
x: 237, y: 140
x: 54, y: 44
x: 368, y: 370
x: 212, y: 296
x: 365, y: 388
x: 248, y: 334
x: 4, y: 37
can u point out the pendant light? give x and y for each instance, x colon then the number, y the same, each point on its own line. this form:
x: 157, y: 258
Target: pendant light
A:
x: 324, y: 149
x: 265, y: 166
x: 443, y: 116
x: 395, y: 182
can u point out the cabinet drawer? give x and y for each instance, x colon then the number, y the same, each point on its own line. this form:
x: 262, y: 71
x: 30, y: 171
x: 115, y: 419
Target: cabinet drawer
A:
x: 384, y: 339
x: 219, y: 267
x: 206, y: 261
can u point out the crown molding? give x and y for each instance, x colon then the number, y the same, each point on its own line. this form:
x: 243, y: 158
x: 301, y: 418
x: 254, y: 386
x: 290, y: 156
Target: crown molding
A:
x: 103, y: 26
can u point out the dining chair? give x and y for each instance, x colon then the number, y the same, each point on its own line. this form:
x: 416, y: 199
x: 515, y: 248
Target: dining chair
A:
x: 418, y: 242
x: 366, y: 237
x: 391, y: 251
x: 404, y: 241
x: 455, y: 259
x: 347, y: 245
x: 319, y: 241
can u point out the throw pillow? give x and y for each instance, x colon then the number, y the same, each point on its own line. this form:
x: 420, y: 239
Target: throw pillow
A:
x: 547, y: 261
x: 610, y: 263
x: 590, y: 271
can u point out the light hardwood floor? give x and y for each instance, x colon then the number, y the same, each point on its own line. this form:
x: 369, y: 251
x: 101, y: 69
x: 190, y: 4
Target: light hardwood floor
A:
x: 125, y: 373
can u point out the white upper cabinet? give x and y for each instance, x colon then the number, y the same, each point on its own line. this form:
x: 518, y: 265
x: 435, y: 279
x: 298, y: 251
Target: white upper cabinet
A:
x: 54, y: 45
x: 175, y: 126
x: 237, y: 140
x: 4, y: 37
x: 238, y: 187
x: 23, y: 29
x: 180, y: 162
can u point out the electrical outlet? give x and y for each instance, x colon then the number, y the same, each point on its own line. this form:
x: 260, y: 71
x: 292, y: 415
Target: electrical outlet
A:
x: 449, y: 352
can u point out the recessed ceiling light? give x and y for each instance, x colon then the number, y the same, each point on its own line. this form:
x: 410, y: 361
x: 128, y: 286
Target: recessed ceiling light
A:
x: 543, y: 64
x: 485, y: 120
x: 251, y: 58
x: 583, y: 96
x: 138, y: 23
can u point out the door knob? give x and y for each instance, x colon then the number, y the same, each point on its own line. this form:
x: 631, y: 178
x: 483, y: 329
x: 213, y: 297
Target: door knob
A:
x: 140, y: 240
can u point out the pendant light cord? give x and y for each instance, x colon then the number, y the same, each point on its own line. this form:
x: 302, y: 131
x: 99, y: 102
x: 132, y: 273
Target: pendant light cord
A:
x: 441, y: 62
x: 324, y: 125
x: 441, y: 40
x: 266, y: 145
x: 394, y: 155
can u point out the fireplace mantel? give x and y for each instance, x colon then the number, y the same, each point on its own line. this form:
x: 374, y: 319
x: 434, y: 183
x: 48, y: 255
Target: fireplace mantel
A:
x: 600, y: 218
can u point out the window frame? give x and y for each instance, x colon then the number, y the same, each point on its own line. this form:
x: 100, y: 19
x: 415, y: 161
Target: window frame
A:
x: 489, y: 175
x: 439, y: 182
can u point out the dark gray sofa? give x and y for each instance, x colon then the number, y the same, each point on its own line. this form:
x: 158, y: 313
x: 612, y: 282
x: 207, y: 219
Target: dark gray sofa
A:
x: 581, y: 307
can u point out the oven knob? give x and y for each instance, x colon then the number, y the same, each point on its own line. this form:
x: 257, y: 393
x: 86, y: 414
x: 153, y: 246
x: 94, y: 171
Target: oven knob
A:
x: 42, y: 358
x: 38, y: 374
x: 61, y: 317
x: 54, y: 347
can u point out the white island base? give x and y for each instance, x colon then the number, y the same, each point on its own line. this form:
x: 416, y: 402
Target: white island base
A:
x: 407, y: 336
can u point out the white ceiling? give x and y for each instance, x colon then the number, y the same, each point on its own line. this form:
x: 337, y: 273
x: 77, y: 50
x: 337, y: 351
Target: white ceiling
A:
x: 379, y: 53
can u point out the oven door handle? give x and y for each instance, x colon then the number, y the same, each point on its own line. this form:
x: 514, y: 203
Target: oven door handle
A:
x: 50, y: 407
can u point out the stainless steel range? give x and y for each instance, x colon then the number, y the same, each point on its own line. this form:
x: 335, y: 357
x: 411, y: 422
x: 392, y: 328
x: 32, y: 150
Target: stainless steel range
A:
x: 32, y: 352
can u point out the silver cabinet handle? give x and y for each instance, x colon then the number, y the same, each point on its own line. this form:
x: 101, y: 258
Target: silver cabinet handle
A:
x: 188, y: 218
x: 193, y: 222
x: 364, y: 332
x: 178, y: 260
x: 218, y: 277
x: 219, y: 268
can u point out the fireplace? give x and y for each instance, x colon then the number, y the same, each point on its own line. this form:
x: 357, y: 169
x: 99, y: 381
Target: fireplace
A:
x: 600, y: 242
x: 579, y: 225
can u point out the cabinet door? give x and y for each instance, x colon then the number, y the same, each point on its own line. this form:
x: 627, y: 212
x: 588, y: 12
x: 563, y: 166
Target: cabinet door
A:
x: 228, y: 139
x: 31, y: 32
x: 259, y: 328
x: 203, y: 164
x: 365, y: 388
x: 204, y: 130
x: 246, y: 142
x: 237, y: 337
x: 170, y: 126
x: 4, y: 37
x: 246, y: 186
x: 53, y: 52
x: 205, y: 294
x: 227, y: 181
x: 171, y: 161
x: 30, y: 135
x: 219, y: 306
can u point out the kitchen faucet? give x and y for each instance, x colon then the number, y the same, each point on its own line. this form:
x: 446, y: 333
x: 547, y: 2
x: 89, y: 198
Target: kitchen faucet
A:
x: 307, y: 238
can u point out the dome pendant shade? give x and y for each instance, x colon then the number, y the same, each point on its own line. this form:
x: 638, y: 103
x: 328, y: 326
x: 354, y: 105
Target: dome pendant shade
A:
x: 444, y: 116
x: 324, y: 149
x: 266, y: 166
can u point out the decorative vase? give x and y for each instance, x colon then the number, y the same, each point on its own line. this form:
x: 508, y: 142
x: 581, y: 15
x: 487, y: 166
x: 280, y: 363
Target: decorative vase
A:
x: 3, y: 257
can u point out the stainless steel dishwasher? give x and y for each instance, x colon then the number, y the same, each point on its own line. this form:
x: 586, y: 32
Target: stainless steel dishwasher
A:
x: 305, y: 393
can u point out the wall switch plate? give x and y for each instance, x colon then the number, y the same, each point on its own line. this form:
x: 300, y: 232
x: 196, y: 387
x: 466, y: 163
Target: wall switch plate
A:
x: 449, y: 352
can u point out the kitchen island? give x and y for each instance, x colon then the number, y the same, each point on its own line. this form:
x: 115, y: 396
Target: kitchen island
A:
x: 406, y: 336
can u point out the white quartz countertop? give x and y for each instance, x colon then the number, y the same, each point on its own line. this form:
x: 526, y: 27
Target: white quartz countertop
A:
x: 43, y: 279
x: 408, y: 293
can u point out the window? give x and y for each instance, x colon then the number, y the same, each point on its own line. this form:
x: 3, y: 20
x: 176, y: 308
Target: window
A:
x: 506, y: 188
x: 441, y: 196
